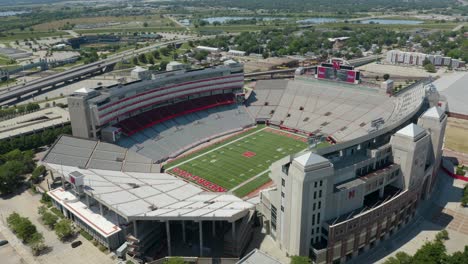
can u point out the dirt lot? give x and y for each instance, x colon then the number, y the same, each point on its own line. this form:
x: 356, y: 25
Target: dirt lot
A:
x: 456, y: 135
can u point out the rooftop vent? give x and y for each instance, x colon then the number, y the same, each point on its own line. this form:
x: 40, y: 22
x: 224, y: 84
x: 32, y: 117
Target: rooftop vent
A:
x: 133, y: 185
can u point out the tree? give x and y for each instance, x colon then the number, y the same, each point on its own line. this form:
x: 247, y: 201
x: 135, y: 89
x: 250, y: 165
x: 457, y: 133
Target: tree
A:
x: 49, y: 219
x: 142, y: 58
x: 11, y: 176
x: 430, y: 68
x: 165, y: 51
x: 431, y: 252
x: 63, y: 229
x: 174, y: 260
x: 37, y: 173
x: 151, y: 60
x: 400, y: 258
x: 156, y: 55
x: 300, y: 260
x: 135, y: 60
x: 163, y: 65
x: 442, y: 235
x: 386, y: 76
x: 36, y: 242
x: 145, y: 24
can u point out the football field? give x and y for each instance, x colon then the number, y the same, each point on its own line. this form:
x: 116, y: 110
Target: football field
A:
x: 238, y: 159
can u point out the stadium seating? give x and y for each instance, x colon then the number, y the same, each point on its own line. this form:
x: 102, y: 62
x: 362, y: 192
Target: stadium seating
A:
x: 155, y: 116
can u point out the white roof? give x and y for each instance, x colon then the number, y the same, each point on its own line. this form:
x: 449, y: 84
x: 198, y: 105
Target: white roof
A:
x: 434, y: 112
x: 139, y: 69
x: 411, y: 130
x: 309, y: 159
x: 83, y: 90
x: 174, y: 63
x: 157, y: 196
x: 99, y: 223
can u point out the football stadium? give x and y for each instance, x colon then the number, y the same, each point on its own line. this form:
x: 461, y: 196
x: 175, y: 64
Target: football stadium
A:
x: 189, y: 163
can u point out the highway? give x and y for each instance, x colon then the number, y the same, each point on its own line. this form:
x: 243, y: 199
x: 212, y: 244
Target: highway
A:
x: 77, y: 72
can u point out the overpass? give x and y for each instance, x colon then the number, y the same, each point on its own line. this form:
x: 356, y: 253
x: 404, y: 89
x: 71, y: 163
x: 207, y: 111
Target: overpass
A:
x: 50, y: 82
x: 355, y: 62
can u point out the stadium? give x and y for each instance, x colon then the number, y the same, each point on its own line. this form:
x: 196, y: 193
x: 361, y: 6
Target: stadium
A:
x: 188, y: 162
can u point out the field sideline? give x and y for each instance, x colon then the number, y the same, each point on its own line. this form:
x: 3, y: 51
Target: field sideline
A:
x: 242, y: 157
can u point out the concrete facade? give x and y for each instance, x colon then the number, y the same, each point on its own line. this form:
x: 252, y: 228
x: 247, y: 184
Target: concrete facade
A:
x: 337, y: 205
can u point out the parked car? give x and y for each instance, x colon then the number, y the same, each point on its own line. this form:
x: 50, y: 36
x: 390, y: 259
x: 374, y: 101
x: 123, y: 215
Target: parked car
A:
x: 3, y: 242
x: 76, y: 244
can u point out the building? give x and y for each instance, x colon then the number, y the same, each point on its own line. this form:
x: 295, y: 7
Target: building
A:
x: 92, y: 110
x: 175, y: 66
x: 236, y: 52
x: 209, y: 49
x: 334, y: 203
x: 119, y: 196
x: 415, y: 58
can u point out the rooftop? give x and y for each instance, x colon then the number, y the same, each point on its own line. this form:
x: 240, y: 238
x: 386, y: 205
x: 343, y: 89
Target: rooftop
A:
x: 36, y: 121
x: 155, y: 196
x: 412, y: 131
x: 131, y: 184
x: 256, y: 257
x: 105, y: 227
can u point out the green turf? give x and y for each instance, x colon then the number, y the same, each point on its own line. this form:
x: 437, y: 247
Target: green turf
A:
x: 225, y: 164
x: 252, y: 185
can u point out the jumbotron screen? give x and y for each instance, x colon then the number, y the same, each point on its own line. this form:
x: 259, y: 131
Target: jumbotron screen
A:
x: 343, y: 75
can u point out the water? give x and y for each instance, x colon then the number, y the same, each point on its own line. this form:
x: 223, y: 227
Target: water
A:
x: 317, y: 20
x: 234, y: 18
x: 392, y: 21
x: 12, y: 13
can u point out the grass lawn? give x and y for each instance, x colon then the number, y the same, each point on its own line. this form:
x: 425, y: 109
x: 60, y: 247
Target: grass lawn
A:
x: 456, y: 137
x: 228, y: 164
x: 252, y: 185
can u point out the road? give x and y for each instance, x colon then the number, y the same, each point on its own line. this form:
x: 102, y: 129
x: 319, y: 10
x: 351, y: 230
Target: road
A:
x: 80, y: 71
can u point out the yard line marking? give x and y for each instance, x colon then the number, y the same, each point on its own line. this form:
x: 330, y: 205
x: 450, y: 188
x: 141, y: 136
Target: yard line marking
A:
x: 222, y: 146
x: 249, y: 180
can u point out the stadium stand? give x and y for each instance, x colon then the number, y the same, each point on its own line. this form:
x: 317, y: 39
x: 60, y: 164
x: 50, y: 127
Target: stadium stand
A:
x: 147, y: 119
x: 172, y: 137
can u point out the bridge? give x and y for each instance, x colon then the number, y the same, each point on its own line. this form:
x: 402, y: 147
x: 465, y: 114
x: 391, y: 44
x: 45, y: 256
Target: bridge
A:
x: 355, y: 62
x: 15, y: 93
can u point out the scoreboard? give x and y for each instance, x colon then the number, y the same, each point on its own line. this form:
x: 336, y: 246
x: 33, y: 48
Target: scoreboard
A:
x: 338, y: 73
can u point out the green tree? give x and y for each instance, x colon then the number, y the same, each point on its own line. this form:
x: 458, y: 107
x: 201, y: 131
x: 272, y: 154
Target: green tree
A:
x: 386, y: 76
x: 151, y: 60
x: 11, y: 176
x: 145, y: 24
x: 142, y: 58
x: 430, y: 68
x: 63, y: 229
x: 442, y: 235
x: 174, y: 260
x: 156, y: 55
x: 36, y: 241
x: 300, y: 260
x: 431, y: 252
x: 163, y: 65
x: 399, y: 258
x: 49, y: 219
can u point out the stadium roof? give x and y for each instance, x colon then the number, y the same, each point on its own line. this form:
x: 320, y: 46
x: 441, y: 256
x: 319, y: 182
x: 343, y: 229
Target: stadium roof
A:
x: 132, y: 186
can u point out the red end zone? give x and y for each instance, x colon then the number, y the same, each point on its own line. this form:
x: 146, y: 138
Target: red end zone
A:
x: 249, y: 154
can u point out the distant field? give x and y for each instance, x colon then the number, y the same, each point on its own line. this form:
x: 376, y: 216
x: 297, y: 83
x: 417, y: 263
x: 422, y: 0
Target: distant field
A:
x: 252, y: 185
x: 154, y: 20
x: 456, y: 137
x: 224, y: 166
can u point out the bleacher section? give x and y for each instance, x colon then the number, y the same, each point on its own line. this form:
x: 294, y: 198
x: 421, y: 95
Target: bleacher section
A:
x: 158, y: 115
x: 90, y: 154
x: 171, y: 138
x: 330, y: 108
